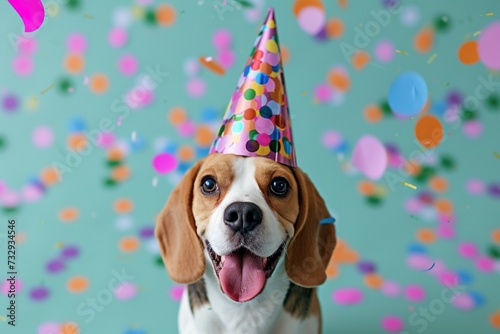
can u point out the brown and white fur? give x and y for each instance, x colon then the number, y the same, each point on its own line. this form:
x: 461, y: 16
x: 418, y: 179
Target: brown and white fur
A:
x: 194, y: 236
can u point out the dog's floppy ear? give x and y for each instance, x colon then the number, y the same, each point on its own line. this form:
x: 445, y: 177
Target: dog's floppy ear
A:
x: 180, y: 246
x: 312, y: 245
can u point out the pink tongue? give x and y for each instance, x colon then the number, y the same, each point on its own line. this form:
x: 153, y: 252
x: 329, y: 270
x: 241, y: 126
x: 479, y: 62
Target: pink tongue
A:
x: 242, y: 276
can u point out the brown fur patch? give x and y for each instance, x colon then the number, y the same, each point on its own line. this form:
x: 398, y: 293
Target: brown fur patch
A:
x: 298, y: 301
x: 197, y: 294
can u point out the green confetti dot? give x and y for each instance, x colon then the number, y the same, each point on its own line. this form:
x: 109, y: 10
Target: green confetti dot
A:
x: 386, y: 108
x: 3, y: 142
x: 253, y: 134
x: 494, y: 252
x: 447, y: 162
x: 73, y: 4
x: 249, y: 94
x: 159, y: 260
x: 246, y: 4
x: 10, y: 209
x: 425, y: 173
x: 113, y: 163
x: 442, y: 23
x: 150, y: 16
x: 64, y: 85
x: 109, y: 182
x: 493, y: 101
x: 374, y: 200
x: 468, y: 114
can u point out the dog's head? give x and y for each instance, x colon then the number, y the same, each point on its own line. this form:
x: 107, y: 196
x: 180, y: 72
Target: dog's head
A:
x: 244, y: 213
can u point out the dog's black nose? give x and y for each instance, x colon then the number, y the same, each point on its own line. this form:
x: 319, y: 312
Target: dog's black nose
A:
x: 242, y: 216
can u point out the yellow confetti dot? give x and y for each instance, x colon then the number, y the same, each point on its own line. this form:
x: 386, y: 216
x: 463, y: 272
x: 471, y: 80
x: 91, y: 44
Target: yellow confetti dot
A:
x: 432, y: 58
x: 401, y: 52
x: 489, y: 14
x: 409, y: 185
x: 271, y: 46
x: 476, y: 33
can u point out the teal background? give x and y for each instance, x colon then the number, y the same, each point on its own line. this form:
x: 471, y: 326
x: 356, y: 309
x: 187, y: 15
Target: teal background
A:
x: 378, y: 233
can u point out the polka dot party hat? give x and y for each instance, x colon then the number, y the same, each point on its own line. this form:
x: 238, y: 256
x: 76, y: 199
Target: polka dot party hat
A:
x: 257, y: 122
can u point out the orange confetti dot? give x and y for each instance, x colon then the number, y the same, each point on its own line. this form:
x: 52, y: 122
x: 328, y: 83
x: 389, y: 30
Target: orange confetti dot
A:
x: 99, y: 83
x: 123, y: 205
x: 77, y: 284
x: 165, y: 15
x: 426, y: 236
x: 177, y: 116
x: 339, y: 80
x: 413, y: 168
x: 77, y: 141
x: 50, y: 176
x: 120, y: 173
x: 299, y: 5
x: 367, y: 188
x: 424, y: 40
x: 468, y: 54
x: 129, y: 244
x: 212, y: 65
x: 443, y: 206
x: 438, y: 184
x: 114, y: 154
x: 373, y: 113
x: 495, y: 319
x: 360, y: 59
x: 332, y: 271
x: 335, y: 28
x: 285, y: 54
x: 74, y: 63
x: 373, y: 281
x: 67, y: 215
x: 186, y: 153
x: 495, y: 235
x: 69, y: 328
x: 343, y: 254
x: 342, y: 3
x: 429, y: 131
x: 204, y: 136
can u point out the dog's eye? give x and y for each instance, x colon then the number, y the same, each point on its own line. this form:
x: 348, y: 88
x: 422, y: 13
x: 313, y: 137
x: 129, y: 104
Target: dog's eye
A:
x: 209, y: 185
x: 279, y: 186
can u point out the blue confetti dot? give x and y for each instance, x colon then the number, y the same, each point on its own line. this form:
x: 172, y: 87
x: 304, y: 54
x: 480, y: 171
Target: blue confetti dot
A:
x: 341, y: 148
x: 134, y: 331
x: 209, y: 114
x: 139, y: 143
x: 170, y: 147
x: 183, y: 167
x: 477, y: 297
x: 464, y: 277
x: 417, y: 249
x: 76, y: 124
x: 439, y: 108
x: 202, y: 151
x: 407, y: 94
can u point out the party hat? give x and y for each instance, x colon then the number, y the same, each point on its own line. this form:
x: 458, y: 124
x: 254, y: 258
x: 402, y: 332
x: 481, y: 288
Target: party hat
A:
x: 257, y: 121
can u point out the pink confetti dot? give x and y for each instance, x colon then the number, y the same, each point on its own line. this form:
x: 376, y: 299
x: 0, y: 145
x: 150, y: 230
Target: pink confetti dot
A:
x: 390, y: 289
x: 413, y: 205
x: 415, y: 293
x: 42, y: 137
x: 49, y: 328
x: 311, y: 20
x: 347, y: 296
x: 489, y: 46
x: 187, y: 129
x: 384, y: 51
x: 419, y: 262
x: 448, y: 279
x: 472, y: 129
x: 117, y: 37
x: 475, y: 187
x: 139, y: 97
x: 226, y: 58
x: 222, y: 39
x: 446, y: 231
x: 392, y: 324
x: 331, y: 139
x: 76, y: 43
x: 176, y: 292
x: 485, y: 264
x: 31, y: 193
x: 196, y: 87
x: 22, y: 65
x: 127, y: 64
x: 322, y: 92
x: 27, y: 46
x: 467, y: 250
x: 5, y: 288
x: 192, y: 67
x: 106, y: 139
x: 164, y: 163
x: 125, y: 291
x: 10, y: 199
x: 463, y: 302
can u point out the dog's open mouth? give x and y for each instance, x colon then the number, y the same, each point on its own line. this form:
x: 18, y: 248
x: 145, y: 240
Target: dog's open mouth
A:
x: 242, y: 274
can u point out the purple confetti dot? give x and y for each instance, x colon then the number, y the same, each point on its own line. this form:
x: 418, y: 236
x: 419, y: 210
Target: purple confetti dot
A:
x: 426, y: 198
x: 494, y: 189
x: 10, y: 103
x: 366, y: 267
x: 39, y: 293
x: 55, y: 266
x: 70, y: 252
x: 147, y: 232
x: 390, y: 3
x: 454, y: 98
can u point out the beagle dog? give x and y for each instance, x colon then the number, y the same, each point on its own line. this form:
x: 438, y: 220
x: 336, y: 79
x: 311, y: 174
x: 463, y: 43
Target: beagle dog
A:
x: 244, y: 234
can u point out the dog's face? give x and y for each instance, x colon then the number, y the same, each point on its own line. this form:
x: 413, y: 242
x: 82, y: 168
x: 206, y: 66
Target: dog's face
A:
x: 243, y: 214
